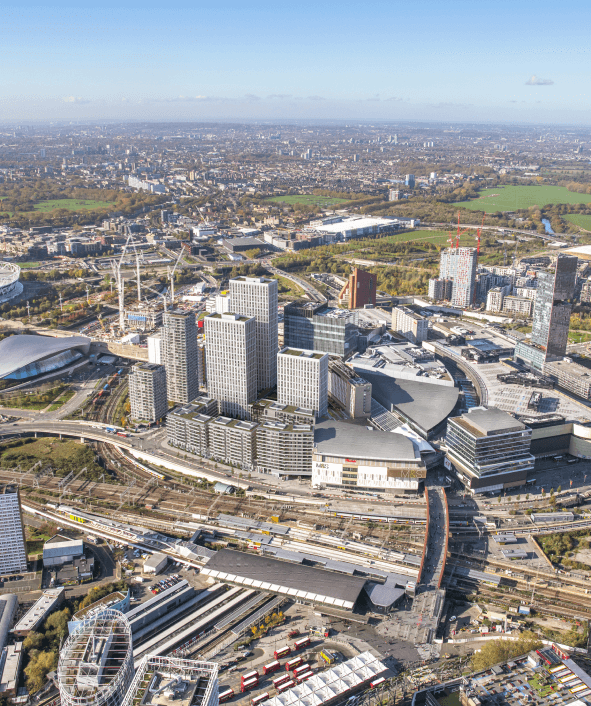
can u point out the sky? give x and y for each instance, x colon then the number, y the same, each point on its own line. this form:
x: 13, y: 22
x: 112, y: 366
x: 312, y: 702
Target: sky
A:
x: 427, y: 60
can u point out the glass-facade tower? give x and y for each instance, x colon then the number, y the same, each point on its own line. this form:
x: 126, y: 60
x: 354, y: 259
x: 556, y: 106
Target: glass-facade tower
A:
x: 316, y: 327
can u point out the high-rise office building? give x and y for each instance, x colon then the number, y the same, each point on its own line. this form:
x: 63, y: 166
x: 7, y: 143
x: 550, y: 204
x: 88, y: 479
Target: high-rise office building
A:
x: 147, y: 392
x: 302, y: 379
x: 231, y: 353
x: 459, y: 265
x: 258, y: 297
x: 13, y: 553
x: 409, y: 180
x: 316, y: 327
x: 552, y: 311
x: 489, y: 449
x: 180, y: 356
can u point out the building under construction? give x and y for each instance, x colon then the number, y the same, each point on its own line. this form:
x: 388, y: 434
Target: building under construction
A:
x: 143, y: 317
x: 95, y: 666
x: 160, y: 681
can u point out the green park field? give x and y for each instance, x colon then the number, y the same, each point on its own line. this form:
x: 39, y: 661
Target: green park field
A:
x: 72, y: 205
x: 512, y: 198
x: 579, y: 219
x: 309, y: 199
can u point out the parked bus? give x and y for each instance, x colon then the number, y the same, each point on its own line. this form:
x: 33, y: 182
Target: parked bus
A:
x: 301, y: 670
x: 285, y: 686
x: 249, y: 675
x: 226, y: 695
x: 271, y: 667
x: 377, y: 682
x: 300, y: 644
x: 302, y: 677
x: 282, y: 652
x: 250, y: 684
x: 280, y: 680
x: 293, y: 663
x: 259, y: 699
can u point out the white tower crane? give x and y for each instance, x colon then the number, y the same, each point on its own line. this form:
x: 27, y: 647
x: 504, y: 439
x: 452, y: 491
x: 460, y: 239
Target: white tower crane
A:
x: 171, y: 275
x: 120, y: 284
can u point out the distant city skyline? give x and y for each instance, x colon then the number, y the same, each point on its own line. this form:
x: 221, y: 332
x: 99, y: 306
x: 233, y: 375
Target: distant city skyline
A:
x: 258, y: 60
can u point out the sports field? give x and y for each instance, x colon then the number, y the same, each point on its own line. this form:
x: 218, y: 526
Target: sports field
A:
x: 72, y: 205
x: 512, y: 198
x: 579, y: 219
x: 309, y: 199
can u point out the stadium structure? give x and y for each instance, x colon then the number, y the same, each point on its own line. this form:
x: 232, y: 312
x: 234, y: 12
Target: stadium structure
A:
x: 10, y: 286
x: 25, y: 356
x: 161, y: 680
x: 95, y: 666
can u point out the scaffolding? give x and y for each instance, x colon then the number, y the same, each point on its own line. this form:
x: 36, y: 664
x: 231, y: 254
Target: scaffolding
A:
x: 95, y: 666
x: 156, y: 673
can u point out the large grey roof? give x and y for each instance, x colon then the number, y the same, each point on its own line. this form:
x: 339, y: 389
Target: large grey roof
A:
x: 426, y: 404
x: 20, y: 350
x: 296, y: 580
x: 353, y: 441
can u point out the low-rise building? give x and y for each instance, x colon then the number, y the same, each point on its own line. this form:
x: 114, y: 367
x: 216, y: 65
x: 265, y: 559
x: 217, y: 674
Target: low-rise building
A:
x: 43, y: 606
x: 186, y: 429
x: 10, y: 668
x: 272, y: 411
x: 155, y: 563
x: 570, y: 376
x: 518, y: 305
x: 60, y: 550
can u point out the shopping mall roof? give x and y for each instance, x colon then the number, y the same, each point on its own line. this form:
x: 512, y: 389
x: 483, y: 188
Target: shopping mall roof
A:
x: 423, y: 404
x: 19, y: 351
x: 296, y: 580
x: 354, y: 441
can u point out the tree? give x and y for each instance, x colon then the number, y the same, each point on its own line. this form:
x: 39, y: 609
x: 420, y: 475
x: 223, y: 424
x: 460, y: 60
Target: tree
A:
x: 40, y: 664
x: 33, y: 641
x: 500, y: 650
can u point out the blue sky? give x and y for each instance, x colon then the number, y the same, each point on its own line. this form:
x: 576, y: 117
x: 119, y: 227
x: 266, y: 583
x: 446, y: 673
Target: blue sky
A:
x: 458, y: 60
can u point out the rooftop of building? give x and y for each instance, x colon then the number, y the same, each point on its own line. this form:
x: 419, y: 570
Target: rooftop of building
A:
x: 229, y: 316
x: 287, y: 408
x: 38, y: 610
x: 22, y: 350
x: 359, y: 442
x: 172, y: 682
x: 235, y: 423
x: 489, y: 422
x: 302, y: 353
x: 105, y: 601
x: 148, y: 367
x: 8, y: 489
x: 252, y: 280
x: 425, y: 405
x: 317, y: 585
x: 287, y: 427
x: 570, y: 367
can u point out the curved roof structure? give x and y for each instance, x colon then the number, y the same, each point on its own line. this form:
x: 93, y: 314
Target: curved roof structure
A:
x: 333, y: 438
x: 24, y: 356
x: 424, y: 405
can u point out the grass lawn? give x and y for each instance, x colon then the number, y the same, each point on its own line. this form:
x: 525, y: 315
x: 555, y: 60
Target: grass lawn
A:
x: 579, y: 219
x: 511, y: 198
x: 63, y: 455
x: 437, y: 237
x: 310, y: 199
x: 68, y: 204
x: 287, y: 287
x: 578, y: 337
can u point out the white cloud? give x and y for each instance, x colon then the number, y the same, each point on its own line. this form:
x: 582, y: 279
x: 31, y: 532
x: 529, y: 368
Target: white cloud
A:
x: 537, y: 81
x: 75, y: 99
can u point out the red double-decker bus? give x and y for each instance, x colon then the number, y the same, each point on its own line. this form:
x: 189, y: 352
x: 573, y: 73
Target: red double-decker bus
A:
x: 259, y: 699
x: 271, y: 667
x: 284, y: 687
x: 282, y: 652
x: 300, y: 644
x: 226, y: 695
x: 302, y: 677
x: 249, y: 684
x: 249, y: 675
x: 301, y: 670
x: 281, y: 680
x: 377, y: 682
x: 293, y: 663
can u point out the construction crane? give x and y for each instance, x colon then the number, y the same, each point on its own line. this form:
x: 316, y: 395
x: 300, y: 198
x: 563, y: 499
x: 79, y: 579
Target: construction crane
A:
x: 171, y: 275
x: 478, y: 234
x: 116, y: 266
x: 459, y: 233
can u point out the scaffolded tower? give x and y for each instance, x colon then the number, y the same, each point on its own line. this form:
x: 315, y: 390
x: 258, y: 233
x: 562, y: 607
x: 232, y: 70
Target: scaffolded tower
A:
x: 95, y: 666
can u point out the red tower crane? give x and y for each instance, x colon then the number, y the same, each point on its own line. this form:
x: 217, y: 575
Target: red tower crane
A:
x: 460, y: 232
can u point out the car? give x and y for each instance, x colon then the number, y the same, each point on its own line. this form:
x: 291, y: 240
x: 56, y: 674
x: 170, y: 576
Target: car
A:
x: 453, y: 617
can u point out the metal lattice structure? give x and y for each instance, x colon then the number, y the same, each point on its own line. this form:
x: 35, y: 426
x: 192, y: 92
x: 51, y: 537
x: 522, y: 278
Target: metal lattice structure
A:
x: 95, y: 666
x: 156, y: 673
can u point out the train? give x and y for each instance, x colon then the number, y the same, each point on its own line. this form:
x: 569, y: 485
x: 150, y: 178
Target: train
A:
x: 378, y: 518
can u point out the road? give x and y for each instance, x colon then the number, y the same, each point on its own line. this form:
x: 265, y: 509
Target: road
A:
x: 314, y: 294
